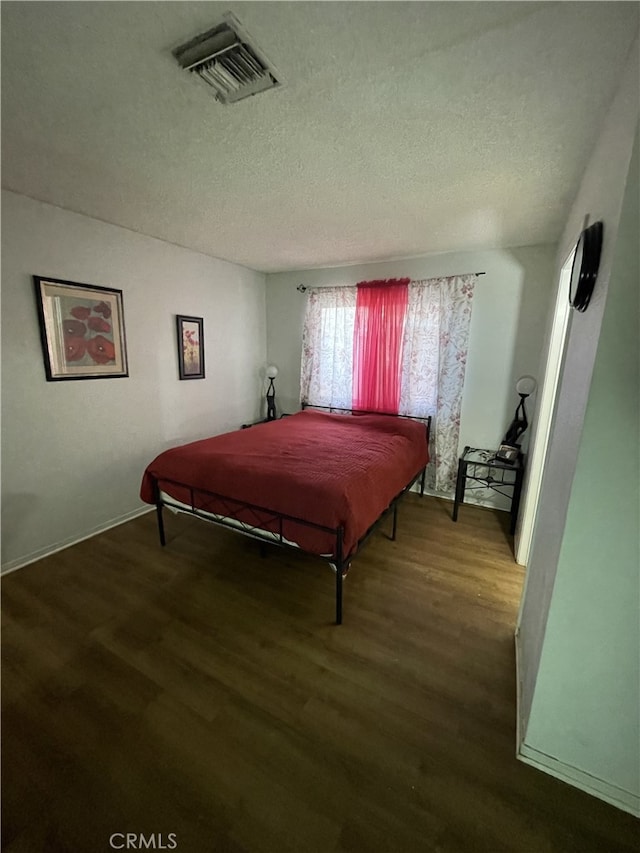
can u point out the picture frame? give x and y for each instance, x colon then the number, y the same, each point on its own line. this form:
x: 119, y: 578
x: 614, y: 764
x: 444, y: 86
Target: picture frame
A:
x: 190, y: 347
x: 81, y: 330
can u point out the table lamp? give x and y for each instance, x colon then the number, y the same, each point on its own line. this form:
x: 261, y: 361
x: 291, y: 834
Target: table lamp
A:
x: 525, y: 386
x: 272, y: 372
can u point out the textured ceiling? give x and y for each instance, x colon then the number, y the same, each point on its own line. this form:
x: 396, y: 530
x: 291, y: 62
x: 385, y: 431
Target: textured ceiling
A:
x: 402, y: 128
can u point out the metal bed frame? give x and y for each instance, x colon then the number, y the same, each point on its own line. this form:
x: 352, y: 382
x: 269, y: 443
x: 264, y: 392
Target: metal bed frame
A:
x: 227, y: 512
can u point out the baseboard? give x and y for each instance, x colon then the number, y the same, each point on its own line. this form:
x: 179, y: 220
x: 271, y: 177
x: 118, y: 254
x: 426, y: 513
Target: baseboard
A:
x: 625, y: 800
x: 520, y: 728
x: 618, y: 797
x: 427, y: 494
x: 14, y: 565
x: 472, y: 501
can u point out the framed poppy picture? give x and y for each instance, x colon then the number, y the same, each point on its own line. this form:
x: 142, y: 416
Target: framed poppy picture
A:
x: 81, y: 329
x: 190, y: 347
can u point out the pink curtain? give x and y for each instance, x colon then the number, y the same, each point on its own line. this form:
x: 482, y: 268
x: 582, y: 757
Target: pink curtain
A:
x: 381, y: 308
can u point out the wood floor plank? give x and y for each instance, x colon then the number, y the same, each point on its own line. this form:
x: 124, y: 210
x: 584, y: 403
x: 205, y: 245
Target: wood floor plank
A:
x: 203, y: 690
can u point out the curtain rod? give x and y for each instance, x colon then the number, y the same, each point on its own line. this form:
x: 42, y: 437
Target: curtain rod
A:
x: 302, y: 288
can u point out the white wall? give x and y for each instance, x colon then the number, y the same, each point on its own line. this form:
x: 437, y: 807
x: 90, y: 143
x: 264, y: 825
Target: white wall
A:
x: 599, y: 198
x: 507, y: 327
x: 73, y: 452
x: 586, y: 706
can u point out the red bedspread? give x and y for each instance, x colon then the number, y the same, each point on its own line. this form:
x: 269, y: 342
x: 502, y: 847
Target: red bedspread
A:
x: 331, y: 470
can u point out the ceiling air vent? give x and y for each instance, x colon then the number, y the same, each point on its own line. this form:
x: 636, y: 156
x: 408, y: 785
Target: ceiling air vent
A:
x: 225, y: 60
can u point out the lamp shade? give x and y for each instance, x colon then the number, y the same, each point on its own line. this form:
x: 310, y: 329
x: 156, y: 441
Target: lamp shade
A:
x: 272, y: 371
x: 526, y: 385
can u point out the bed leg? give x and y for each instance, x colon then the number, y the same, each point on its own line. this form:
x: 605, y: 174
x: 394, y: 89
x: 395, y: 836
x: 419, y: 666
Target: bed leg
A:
x: 339, y: 577
x: 339, y: 593
x: 422, y: 479
x: 395, y: 522
x: 163, y: 541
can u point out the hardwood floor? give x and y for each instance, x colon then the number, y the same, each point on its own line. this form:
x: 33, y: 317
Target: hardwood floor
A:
x: 204, y: 691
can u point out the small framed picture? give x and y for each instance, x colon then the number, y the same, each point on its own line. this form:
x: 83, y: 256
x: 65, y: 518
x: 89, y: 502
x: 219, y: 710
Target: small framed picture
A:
x: 191, y: 347
x: 81, y: 329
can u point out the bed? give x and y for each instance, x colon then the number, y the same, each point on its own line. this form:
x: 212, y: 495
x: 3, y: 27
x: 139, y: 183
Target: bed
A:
x: 316, y: 481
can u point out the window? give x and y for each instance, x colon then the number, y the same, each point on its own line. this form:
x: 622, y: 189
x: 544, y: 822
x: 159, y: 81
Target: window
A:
x: 432, y: 358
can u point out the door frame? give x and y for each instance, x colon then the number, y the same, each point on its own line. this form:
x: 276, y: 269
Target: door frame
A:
x: 546, y: 411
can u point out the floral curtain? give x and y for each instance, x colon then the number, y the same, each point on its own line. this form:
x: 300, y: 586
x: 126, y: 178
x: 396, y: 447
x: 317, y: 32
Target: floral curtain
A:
x: 327, y: 347
x: 434, y: 358
x: 434, y: 363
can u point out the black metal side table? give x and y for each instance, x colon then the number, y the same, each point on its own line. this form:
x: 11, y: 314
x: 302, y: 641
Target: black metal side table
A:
x: 484, y: 471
